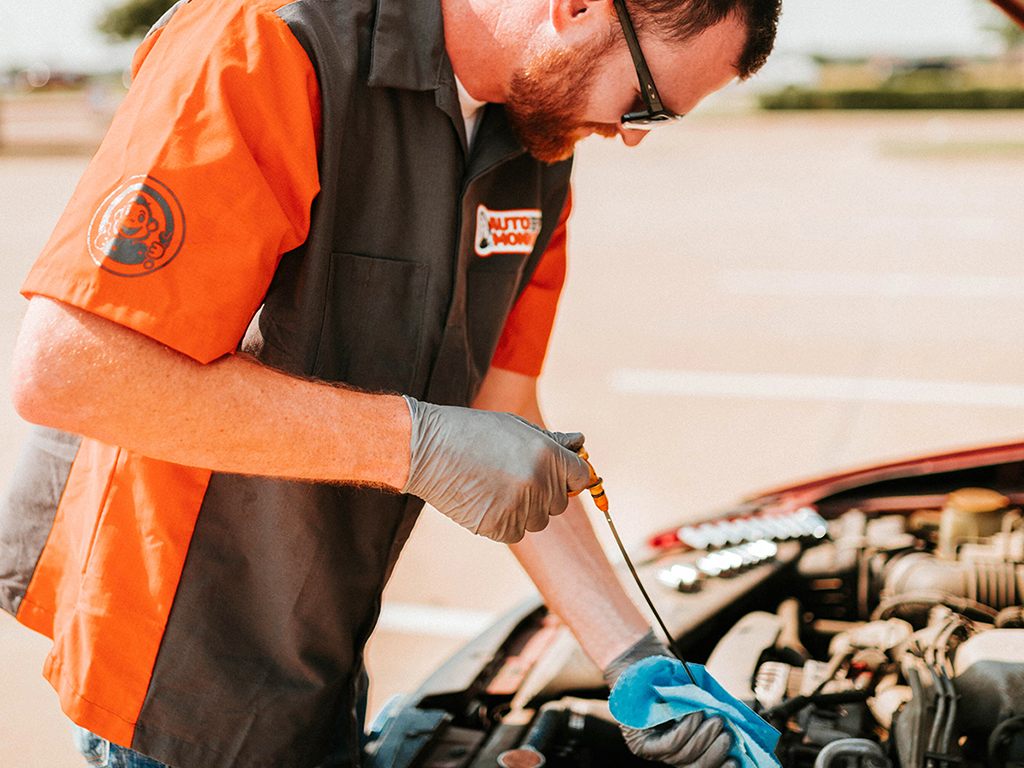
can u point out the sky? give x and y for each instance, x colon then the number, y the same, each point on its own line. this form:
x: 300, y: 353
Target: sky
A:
x: 60, y: 34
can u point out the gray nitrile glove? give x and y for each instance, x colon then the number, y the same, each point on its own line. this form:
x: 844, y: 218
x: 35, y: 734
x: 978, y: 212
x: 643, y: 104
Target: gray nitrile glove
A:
x: 692, y: 741
x: 494, y: 473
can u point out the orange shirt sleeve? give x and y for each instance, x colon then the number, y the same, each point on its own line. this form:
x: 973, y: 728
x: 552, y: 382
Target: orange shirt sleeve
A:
x: 204, y: 180
x: 524, y: 340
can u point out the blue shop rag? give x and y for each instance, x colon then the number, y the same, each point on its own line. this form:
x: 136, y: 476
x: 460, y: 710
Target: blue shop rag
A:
x: 657, y: 689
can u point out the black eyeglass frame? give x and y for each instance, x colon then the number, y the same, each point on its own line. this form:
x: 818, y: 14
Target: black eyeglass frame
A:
x: 655, y: 114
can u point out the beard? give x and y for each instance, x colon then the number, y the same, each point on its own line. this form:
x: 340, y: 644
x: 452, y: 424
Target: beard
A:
x: 546, y: 96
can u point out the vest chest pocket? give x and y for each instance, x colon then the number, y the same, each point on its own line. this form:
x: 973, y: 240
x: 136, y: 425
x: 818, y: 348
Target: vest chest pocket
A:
x: 373, y: 322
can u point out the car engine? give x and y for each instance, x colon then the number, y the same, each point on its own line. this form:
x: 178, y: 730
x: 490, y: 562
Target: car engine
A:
x: 879, y: 629
x: 924, y: 664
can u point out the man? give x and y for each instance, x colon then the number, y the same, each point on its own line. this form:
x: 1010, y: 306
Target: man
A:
x: 289, y: 221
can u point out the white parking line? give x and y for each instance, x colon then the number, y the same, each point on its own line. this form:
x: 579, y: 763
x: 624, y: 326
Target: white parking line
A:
x: 433, y: 620
x: 781, y: 282
x: 834, y: 388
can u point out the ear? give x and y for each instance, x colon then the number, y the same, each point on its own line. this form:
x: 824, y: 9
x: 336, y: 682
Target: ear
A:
x: 570, y: 17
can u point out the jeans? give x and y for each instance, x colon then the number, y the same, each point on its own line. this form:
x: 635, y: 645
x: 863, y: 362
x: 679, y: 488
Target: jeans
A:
x: 100, y: 753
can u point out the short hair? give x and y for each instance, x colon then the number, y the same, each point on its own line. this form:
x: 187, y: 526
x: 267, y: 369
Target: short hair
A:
x: 681, y: 20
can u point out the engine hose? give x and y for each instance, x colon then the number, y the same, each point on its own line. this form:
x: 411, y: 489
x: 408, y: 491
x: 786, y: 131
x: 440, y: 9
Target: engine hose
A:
x: 940, y: 713
x: 947, y: 736
x: 945, y: 716
x: 970, y: 608
x: 542, y: 734
x: 788, y: 642
x: 790, y: 707
x: 554, y: 720
x: 957, y: 626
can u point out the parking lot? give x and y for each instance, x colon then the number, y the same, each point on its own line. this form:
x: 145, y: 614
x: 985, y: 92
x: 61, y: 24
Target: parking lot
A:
x: 752, y: 299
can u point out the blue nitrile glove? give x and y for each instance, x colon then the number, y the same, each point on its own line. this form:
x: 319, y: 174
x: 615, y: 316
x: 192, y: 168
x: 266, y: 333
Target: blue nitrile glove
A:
x: 658, y: 690
x: 691, y: 739
x: 494, y: 473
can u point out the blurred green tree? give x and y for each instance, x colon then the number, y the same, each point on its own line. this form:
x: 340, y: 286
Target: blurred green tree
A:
x: 132, y: 18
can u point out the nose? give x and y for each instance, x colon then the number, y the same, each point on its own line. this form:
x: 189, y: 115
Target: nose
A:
x: 630, y: 136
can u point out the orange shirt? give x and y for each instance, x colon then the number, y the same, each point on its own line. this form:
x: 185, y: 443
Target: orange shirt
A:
x: 524, y: 340
x: 176, y: 228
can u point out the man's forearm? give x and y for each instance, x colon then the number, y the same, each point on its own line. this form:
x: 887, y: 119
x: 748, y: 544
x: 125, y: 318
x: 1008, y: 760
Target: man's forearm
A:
x: 76, y: 371
x: 566, y: 561
x: 573, y: 574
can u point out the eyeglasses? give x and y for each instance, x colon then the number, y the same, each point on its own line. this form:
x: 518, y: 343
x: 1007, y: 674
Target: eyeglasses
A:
x: 655, y: 114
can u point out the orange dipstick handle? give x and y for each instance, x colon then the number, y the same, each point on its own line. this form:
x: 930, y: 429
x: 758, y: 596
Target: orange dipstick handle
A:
x: 595, y: 487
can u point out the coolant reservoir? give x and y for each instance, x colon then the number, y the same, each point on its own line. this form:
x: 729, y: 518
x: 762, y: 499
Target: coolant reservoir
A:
x: 970, y: 514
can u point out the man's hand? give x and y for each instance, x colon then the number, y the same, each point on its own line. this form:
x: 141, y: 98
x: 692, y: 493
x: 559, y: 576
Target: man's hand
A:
x: 692, y: 741
x: 494, y: 473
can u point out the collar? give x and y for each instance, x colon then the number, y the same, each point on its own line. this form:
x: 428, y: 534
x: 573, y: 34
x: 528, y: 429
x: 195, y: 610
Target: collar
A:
x: 408, y: 52
x: 408, y: 46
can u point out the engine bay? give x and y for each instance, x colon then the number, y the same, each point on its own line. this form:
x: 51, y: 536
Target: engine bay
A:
x: 881, y: 626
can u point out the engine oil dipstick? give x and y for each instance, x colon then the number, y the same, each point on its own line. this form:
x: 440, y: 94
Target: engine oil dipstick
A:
x: 601, y: 501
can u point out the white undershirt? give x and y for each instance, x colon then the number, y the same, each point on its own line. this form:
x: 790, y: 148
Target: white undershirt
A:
x: 471, y: 110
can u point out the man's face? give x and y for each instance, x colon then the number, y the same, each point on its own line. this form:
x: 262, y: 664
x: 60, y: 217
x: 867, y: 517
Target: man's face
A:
x: 564, y: 95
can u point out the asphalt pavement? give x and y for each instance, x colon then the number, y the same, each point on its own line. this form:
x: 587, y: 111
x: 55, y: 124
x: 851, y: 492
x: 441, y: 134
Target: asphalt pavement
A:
x: 752, y: 299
